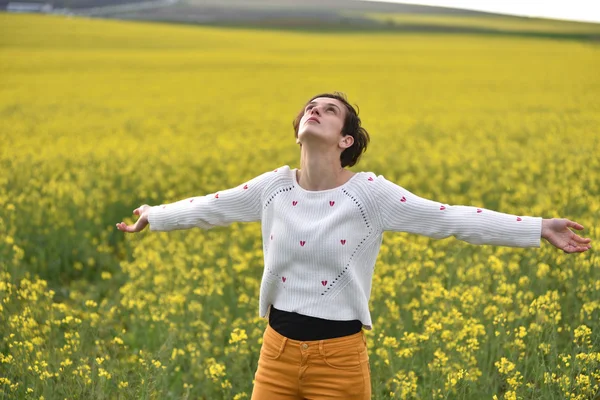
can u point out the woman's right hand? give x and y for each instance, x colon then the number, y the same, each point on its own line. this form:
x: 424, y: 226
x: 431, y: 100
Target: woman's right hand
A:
x: 140, y: 224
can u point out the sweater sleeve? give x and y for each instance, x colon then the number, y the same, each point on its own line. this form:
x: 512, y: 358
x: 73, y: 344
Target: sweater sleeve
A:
x: 403, y: 211
x: 239, y: 204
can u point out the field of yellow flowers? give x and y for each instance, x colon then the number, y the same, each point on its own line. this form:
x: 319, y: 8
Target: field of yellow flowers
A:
x: 98, y: 117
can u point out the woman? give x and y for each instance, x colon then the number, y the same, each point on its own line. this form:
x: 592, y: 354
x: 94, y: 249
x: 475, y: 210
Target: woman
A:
x: 322, y: 227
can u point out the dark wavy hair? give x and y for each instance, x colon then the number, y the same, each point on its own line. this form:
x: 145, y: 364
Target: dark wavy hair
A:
x: 351, y: 155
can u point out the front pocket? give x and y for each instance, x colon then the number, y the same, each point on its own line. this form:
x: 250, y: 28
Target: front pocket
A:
x: 343, y: 358
x: 270, y: 349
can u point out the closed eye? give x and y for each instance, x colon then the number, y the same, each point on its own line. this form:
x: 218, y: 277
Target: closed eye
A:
x: 330, y: 107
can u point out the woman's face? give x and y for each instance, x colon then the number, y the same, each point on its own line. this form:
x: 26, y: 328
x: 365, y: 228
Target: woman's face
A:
x: 322, y: 121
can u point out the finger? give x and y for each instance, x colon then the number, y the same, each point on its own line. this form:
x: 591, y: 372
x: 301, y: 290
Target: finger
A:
x: 575, y: 249
x: 122, y: 226
x: 574, y: 225
x: 579, y: 239
x: 577, y: 244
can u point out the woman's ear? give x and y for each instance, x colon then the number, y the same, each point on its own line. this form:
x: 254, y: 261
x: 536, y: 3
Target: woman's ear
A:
x: 346, y: 141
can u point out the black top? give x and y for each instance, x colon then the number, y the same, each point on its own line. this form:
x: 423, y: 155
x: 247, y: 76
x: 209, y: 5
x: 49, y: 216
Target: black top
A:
x: 301, y: 327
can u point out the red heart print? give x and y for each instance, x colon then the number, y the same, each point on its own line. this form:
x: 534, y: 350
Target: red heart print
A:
x: 274, y: 170
x: 479, y: 210
x: 164, y: 206
x: 324, y: 283
x: 294, y: 202
x: 245, y: 186
x: 519, y: 219
x: 331, y: 203
x: 403, y: 199
x: 217, y: 196
x: 370, y: 178
x: 283, y: 278
x: 343, y: 241
x: 191, y: 200
x: 442, y: 208
x: 302, y: 243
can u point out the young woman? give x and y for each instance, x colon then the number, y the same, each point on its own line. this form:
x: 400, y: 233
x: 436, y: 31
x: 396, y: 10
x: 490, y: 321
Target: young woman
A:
x: 322, y: 228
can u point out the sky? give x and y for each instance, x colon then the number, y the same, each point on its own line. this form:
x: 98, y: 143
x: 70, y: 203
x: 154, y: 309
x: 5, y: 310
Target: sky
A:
x: 575, y: 10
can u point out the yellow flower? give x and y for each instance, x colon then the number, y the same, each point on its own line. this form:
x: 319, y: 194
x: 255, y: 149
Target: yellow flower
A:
x: 214, y: 370
x: 582, y: 336
x: 504, y: 366
x: 103, y: 373
x: 389, y: 341
x: 238, y: 335
x: 510, y: 395
x: 542, y: 270
x: 118, y: 340
x: 545, y: 347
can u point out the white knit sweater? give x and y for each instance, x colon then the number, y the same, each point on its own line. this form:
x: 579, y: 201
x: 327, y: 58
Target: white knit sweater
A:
x: 320, y: 247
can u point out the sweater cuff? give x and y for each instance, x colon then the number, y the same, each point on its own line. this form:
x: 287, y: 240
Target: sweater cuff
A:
x: 534, y: 227
x: 156, y: 220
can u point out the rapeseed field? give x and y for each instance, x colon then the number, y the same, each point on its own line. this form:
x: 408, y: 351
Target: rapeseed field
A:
x: 99, y: 117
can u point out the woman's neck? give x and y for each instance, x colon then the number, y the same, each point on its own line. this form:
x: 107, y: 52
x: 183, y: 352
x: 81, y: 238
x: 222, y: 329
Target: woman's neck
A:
x: 322, y: 172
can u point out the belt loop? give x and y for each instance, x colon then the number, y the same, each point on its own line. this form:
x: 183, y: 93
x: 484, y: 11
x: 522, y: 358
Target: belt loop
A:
x: 321, y: 350
x: 363, y: 336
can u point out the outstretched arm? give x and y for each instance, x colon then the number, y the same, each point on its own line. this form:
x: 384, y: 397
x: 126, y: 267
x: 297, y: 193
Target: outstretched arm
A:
x: 404, y: 211
x: 239, y: 204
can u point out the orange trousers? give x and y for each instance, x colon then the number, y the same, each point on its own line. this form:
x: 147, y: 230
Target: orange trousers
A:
x: 335, y: 368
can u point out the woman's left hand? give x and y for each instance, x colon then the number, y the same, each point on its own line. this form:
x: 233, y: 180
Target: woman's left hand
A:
x: 557, y: 232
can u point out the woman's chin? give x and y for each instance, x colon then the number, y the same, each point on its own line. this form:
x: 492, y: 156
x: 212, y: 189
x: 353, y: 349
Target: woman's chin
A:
x: 310, y: 134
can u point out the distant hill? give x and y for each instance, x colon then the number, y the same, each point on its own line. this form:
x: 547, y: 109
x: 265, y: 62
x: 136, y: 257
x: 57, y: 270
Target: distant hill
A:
x: 267, y: 5
x: 74, y: 4
x: 325, y: 15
